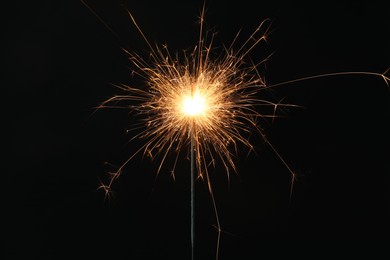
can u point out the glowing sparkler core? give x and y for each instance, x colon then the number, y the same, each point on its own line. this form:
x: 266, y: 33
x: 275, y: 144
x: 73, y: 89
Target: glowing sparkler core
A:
x: 194, y: 105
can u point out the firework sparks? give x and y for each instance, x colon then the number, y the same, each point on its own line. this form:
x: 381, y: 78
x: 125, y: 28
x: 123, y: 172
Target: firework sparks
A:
x: 212, y: 98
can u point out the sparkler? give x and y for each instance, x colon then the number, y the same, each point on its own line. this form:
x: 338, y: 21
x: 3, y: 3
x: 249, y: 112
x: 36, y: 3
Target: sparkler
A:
x: 197, y: 100
x: 203, y: 100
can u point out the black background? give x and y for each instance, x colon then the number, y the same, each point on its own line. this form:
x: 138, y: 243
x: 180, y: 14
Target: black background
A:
x: 58, y: 62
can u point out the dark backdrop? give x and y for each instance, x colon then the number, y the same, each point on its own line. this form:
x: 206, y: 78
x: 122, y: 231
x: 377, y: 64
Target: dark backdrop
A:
x: 58, y: 61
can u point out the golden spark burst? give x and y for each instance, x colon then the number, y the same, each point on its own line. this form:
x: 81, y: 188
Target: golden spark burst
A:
x: 212, y: 96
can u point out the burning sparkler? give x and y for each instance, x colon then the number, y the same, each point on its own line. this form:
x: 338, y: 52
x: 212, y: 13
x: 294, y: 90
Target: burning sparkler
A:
x: 203, y: 101
x: 199, y: 100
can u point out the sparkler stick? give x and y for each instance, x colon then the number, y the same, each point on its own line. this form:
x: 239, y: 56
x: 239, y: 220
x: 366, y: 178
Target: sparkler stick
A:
x: 192, y: 196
